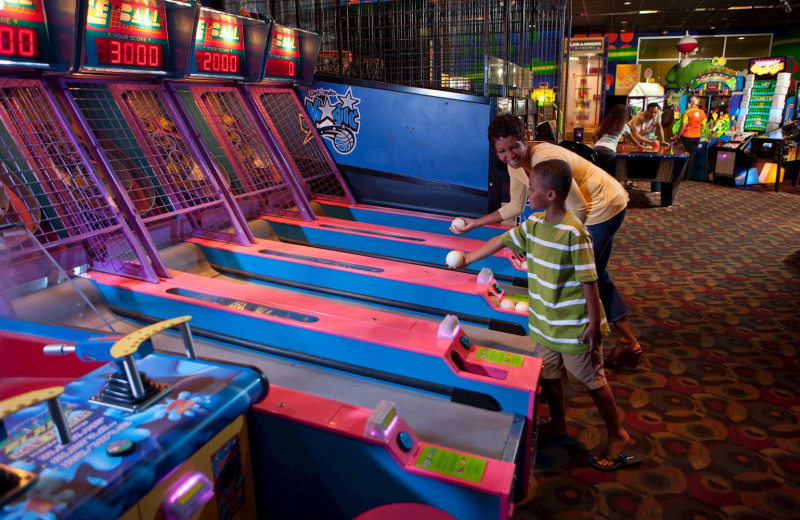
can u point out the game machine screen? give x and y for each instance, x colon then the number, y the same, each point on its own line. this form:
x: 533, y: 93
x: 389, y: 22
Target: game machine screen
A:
x: 505, y: 106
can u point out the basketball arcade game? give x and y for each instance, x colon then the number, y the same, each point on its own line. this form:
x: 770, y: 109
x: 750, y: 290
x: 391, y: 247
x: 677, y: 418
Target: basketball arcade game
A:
x: 305, y: 401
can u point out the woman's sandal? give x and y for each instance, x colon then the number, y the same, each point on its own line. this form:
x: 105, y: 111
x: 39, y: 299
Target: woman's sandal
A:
x: 627, y: 360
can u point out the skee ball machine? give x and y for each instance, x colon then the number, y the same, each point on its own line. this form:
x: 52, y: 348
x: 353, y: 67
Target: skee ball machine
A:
x: 69, y: 318
x: 128, y: 139
x: 233, y: 135
x: 71, y: 214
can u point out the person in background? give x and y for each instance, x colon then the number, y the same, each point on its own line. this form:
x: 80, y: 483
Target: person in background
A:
x: 566, y: 320
x: 693, y: 125
x: 607, y: 136
x: 596, y: 198
x: 646, y: 126
x: 668, y: 124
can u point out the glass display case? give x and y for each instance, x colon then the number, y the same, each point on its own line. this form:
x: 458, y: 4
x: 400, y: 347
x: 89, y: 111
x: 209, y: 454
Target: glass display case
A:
x: 585, y: 85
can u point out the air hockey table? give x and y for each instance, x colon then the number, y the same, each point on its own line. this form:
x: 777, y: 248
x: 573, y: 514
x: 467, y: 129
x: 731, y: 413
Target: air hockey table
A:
x: 660, y: 165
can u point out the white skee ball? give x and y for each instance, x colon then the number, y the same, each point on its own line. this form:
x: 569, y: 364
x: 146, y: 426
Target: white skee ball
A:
x: 521, y: 307
x: 458, y: 223
x: 454, y: 259
x: 508, y: 303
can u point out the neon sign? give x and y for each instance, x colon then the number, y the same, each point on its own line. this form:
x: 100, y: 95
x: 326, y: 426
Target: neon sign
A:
x: 767, y: 66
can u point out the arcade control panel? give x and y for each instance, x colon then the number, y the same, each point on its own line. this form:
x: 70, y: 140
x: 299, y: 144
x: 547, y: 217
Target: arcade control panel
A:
x: 144, y: 436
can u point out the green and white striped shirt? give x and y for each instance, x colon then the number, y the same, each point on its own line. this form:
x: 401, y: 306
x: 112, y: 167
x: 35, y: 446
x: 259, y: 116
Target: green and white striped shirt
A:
x: 559, y: 258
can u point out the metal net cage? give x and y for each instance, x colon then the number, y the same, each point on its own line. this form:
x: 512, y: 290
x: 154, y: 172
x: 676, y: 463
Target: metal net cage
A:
x: 49, y: 187
x: 469, y: 46
x: 147, y: 153
x: 232, y: 139
x: 299, y: 142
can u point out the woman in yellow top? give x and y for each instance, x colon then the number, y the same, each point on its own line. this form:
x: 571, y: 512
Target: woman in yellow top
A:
x: 596, y: 198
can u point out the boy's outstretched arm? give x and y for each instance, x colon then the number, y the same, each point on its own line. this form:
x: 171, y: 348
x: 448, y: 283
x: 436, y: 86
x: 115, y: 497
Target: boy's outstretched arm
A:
x: 593, y: 333
x: 490, y: 247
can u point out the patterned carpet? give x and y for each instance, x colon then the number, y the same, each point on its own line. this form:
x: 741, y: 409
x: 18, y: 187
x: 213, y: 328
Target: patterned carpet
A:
x: 713, y: 284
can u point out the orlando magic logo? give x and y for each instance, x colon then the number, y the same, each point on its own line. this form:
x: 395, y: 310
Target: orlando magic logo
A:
x: 336, y: 117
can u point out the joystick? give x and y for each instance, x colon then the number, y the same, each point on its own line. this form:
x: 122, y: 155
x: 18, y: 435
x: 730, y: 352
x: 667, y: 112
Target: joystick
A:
x: 127, y: 389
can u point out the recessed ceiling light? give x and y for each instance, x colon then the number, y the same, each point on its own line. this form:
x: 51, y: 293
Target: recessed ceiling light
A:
x: 713, y: 27
x: 648, y: 12
x: 626, y: 3
x: 739, y: 7
x: 741, y: 37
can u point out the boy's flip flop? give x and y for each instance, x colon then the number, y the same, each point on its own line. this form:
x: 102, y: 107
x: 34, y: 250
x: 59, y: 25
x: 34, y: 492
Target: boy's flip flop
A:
x: 622, y: 461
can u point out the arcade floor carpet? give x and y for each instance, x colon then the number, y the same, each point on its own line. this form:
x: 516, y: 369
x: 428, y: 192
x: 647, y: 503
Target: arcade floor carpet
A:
x: 713, y: 285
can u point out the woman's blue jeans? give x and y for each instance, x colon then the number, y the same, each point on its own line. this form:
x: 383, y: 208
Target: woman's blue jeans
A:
x: 603, y: 243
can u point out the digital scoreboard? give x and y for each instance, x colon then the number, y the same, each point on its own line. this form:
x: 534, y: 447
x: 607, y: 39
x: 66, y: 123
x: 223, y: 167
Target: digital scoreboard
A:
x: 219, y: 47
x: 126, y: 35
x: 283, y: 54
x: 24, y: 39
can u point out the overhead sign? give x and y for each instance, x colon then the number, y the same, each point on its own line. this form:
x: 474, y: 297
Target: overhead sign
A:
x: 586, y: 44
x: 767, y: 67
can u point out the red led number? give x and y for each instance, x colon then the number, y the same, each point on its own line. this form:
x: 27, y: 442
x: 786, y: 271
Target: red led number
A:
x: 18, y: 42
x: 281, y: 68
x: 217, y: 62
x: 136, y: 54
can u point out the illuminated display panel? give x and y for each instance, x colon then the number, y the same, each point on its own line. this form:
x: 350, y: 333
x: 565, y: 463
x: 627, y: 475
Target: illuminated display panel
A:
x: 23, y: 31
x: 283, y: 55
x: 218, y: 47
x: 126, y: 35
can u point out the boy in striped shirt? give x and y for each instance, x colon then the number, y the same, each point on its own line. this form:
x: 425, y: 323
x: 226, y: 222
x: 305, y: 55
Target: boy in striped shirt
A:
x: 566, y: 319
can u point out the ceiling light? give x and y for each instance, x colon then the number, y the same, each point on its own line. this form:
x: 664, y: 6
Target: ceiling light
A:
x: 713, y: 27
x: 741, y: 37
x: 739, y: 7
x: 626, y: 3
x: 700, y: 9
x: 648, y: 12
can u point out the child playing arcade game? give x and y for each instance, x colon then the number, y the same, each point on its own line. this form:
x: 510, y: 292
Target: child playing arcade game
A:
x: 566, y: 318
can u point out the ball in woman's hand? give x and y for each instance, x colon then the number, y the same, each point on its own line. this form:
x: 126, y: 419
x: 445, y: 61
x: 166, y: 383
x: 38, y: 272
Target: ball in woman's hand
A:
x: 458, y: 223
x: 455, y: 259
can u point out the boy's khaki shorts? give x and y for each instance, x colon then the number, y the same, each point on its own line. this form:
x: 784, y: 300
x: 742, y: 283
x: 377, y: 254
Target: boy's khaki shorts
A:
x: 584, y: 371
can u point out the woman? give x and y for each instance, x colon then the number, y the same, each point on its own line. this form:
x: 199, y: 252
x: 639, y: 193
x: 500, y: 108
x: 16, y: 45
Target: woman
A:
x: 607, y: 136
x: 595, y: 197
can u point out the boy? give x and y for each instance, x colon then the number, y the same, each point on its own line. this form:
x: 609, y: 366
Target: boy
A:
x: 566, y: 318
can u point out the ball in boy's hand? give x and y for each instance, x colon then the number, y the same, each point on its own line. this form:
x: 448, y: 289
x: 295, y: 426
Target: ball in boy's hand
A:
x: 455, y: 259
x: 458, y: 223
x: 508, y: 303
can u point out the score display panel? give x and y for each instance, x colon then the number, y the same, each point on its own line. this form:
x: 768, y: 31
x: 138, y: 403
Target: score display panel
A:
x: 283, y: 54
x: 126, y: 35
x: 24, y: 40
x: 219, y: 47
